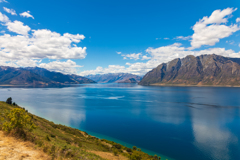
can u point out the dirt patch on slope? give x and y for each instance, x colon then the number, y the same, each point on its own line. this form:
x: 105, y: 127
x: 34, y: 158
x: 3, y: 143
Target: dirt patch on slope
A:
x: 15, y: 149
x: 109, y: 156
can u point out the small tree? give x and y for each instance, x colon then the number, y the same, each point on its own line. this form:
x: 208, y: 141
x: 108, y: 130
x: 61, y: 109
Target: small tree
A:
x: 9, y: 100
x: 17, y: 120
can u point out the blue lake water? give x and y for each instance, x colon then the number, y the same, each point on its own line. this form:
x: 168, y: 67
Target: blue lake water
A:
x: 183, y: 123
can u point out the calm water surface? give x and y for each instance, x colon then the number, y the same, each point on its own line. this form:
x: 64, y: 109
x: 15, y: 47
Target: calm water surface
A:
x: 183, y: 123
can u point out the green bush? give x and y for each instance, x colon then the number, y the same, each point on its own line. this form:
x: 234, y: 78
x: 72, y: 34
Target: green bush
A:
x: 136, y: 156
x: 134, y: 148
x: 118, y: 146
x: 129, y: 150
x: 17, y: 120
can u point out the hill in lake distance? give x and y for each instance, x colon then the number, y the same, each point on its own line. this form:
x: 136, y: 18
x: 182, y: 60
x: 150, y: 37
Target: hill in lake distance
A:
x: 115, y: 78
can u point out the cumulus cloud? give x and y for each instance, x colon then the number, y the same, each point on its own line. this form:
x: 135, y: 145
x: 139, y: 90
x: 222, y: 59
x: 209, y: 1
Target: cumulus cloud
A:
x: 209, y: 30
x: 145, y: 57
x: 28, y: 47
x: 67, y: 67
x: 134, y: 56
x: 3, y: 18
x: 11, y: 11
x: 18, y: 27
x: 238, y: 20
x: 119, y: 52
x: 26, y: 14
x: 40, y: 44
x: 166, y: 38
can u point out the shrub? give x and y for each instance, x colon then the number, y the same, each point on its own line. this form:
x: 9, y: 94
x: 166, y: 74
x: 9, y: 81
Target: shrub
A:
x: 18, y: 120
x: 118, y: 146
x: 115, y: 152
x: 53, y: 136
x: 134, y: 148
x: 136, y: 156
x: 47, y: 138
x: 155, y: 157
x: 139, y: 149
x: 129, y: 150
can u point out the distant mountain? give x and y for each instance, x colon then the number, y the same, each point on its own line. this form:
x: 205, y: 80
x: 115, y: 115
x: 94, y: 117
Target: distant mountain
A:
x: 59, y: 77
x: 115, y: 78
x: 201, y: 70
x: 37, y: 76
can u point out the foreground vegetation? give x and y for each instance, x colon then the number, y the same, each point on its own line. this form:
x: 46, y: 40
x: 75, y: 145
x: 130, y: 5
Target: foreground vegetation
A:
x: 59, y: 141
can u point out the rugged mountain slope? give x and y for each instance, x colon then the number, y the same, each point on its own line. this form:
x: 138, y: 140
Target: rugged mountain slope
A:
x: 114, y: 77
x: 37, y: 76
x: 201, y: 70
x: 13, y: 76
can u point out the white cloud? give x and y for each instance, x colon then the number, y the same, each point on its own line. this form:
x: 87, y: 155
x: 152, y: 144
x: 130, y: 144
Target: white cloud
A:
x: 134, y: 56
x: 238, y: 20
x: 166, y: 38
x: 3, y: 18
x: 25, y: 62
x: 11, y: 11
x: 119, y: 52
x: 145, y: 57
x: 18, y: 27
x: 183, y: 38
x: 67, y: 67
x: 209, y: 30
x: 26, y: 14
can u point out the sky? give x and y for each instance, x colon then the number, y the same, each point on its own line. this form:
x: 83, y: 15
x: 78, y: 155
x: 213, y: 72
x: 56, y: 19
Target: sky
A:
x: 122, y: 36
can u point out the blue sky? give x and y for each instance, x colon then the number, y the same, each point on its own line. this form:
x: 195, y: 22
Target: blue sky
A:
x: 96, y: 37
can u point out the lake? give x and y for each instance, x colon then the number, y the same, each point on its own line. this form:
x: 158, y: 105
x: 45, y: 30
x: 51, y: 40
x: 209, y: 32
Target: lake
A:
x: 183, y: 123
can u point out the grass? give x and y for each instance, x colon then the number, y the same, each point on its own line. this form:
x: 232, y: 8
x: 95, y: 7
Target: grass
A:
x: 63, y: 142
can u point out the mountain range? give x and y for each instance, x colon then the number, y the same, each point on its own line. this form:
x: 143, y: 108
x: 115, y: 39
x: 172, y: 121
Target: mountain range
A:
x: 115, y: 78
x: 201, y: 70
x: 37, y: 76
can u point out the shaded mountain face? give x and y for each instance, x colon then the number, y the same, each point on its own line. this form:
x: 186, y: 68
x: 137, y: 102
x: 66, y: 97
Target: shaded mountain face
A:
x: 37, y: 76
x: 115, y: 78
x: 201, y: 70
